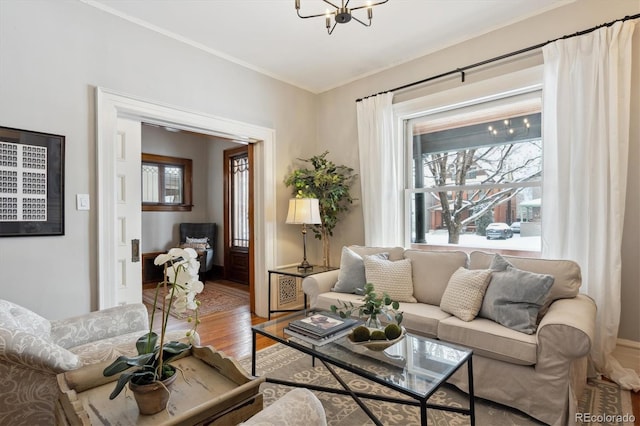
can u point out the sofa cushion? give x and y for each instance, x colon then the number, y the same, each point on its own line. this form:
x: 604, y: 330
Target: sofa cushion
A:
x: 431, y: 271
x: 351, y: 275
x: 490, y: 339
x: 395, y: 253
x: 464, y: 293
x: 514, y: 298
x: 421, y: 318
x: 392, y: 278
x: 566, y: 274
x: 417, y: 317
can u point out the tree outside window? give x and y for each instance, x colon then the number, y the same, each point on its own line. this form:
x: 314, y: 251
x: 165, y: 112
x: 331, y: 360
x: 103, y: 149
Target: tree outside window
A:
x: 475, y: 166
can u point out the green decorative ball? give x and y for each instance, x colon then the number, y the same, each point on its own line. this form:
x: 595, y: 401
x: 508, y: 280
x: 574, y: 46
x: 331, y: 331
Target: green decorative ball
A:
x: 392, y: 331
x: 378, y: 335
x: 361, y: 334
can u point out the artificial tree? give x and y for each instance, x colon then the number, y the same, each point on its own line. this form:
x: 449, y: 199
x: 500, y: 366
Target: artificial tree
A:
x: 330, y: 184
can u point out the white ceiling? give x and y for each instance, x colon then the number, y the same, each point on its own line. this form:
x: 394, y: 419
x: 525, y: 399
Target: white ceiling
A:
x: 267, y: 36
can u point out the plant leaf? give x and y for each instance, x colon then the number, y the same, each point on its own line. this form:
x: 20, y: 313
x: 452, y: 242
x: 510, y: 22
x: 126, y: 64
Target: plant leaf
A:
x: 147, y: 343
x: 122, y: 381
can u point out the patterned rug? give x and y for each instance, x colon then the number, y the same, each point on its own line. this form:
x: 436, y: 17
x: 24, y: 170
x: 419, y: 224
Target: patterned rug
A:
x: 214, y: 298
x: 286, y: 363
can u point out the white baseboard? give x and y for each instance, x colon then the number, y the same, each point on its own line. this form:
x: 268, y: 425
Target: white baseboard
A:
x: 627, y: 352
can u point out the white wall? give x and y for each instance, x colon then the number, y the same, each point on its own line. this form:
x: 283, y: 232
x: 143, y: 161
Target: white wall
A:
x: 52, y: 56
x: 337, y: 129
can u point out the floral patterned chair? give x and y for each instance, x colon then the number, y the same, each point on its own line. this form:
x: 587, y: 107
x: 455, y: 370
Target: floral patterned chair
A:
x: 33, y: 350
x: 299, y: 407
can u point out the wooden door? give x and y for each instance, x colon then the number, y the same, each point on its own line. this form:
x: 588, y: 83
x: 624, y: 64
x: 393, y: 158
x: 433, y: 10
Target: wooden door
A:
x: 238, y: 214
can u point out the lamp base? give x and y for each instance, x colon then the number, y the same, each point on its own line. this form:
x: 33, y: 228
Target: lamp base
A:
x: 305, y: 266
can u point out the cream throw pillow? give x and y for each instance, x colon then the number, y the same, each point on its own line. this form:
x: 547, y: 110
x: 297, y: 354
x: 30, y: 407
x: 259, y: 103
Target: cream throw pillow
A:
x: 464, y: 293
x: 393, y: 278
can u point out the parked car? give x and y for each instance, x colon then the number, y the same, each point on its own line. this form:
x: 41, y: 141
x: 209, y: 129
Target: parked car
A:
x: 499, y: 230
x: 515, y: 227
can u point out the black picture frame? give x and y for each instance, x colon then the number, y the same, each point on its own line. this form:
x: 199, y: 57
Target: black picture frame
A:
x: 31, y: 183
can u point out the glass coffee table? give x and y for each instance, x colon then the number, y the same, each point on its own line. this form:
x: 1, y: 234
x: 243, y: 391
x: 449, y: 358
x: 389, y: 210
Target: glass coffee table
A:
x: 415, y: 366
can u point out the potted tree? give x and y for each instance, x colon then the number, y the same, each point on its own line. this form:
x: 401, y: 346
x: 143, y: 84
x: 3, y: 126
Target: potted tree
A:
x: 330, y: 184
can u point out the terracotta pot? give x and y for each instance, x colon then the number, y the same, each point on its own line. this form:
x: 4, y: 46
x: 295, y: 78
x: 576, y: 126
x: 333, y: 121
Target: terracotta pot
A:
x: 153, y: 397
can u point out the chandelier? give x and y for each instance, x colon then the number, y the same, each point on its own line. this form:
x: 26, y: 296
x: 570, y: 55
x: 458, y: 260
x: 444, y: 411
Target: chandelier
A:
x: 342, y: 14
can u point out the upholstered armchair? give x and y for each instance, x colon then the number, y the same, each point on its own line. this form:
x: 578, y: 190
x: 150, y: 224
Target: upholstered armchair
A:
x: 33, y: 350
x: 202, y: 238
x: 299, y: 407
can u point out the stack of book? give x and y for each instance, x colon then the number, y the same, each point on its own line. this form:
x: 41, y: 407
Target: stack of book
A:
x: 320, y: 329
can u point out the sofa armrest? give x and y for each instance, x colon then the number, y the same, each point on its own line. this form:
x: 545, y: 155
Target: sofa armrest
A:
x: 33, y: 352
x: 317, y: 284
x: 299, y: 407
x: 567, y: 330
x: 98, y: 325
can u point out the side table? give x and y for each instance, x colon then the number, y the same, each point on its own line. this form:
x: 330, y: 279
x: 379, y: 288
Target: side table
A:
x: 294, y: 271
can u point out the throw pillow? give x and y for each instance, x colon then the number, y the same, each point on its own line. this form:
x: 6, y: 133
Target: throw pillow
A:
x: 499, y: 263
x: 514, y: 298
x: 198, y: 247
x: 351, y: 275
x: 393, y: 278
x: 192, y: 240
x: 464, y: 293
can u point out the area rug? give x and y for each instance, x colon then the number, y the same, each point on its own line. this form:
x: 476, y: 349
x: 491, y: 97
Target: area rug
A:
x: 215, y: 297
x: 279, y: 361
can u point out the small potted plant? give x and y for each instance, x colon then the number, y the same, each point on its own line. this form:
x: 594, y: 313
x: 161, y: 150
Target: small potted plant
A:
x: 150, y: 372
x: 372, y: 307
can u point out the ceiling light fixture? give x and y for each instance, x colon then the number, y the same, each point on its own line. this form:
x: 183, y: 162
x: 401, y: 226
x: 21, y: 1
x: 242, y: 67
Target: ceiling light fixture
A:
x: 341, y: 14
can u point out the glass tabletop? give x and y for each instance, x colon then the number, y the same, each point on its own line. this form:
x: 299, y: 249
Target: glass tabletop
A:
x: 416, y: 365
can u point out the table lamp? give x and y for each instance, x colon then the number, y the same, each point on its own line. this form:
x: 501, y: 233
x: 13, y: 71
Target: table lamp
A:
x: 304, y: 211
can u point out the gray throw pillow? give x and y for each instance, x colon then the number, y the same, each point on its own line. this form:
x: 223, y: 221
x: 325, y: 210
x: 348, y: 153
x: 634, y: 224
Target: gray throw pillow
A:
x: 514, y: 298
x: 351, y: 275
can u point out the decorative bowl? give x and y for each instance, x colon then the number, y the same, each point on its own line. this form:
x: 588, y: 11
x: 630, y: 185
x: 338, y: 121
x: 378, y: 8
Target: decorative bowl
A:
x: 377, y: 345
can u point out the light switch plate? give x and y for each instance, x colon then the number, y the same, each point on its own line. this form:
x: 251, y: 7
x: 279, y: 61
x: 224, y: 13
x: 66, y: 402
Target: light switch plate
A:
x: 82, y: 201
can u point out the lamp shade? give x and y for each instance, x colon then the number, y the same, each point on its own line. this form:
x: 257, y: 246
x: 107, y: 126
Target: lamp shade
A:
x: 303, y: 211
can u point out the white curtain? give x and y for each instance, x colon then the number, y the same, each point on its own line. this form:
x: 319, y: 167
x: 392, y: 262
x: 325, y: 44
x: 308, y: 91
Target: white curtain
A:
x: 587, y: 91
x: 380, y: 181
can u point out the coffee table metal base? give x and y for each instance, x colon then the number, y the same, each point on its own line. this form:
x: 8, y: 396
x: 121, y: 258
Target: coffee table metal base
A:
x: 358, y: 396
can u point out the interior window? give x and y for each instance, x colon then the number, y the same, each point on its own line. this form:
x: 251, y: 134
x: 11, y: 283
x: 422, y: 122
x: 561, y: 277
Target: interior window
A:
x: 166, y: 183
x: 475, y: 175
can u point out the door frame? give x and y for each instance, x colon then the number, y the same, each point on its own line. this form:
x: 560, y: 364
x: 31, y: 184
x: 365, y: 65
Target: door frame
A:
x: 112, y: 104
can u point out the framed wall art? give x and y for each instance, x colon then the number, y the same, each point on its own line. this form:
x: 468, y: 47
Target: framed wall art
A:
x: 31, y: 183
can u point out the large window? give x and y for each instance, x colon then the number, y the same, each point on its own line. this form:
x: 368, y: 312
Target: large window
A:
x: 475, y: 174
x: 166, y: 183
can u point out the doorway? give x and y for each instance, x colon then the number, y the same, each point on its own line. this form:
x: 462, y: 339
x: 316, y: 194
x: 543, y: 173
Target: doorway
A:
x: 109, y: 107
x: 238, y: 200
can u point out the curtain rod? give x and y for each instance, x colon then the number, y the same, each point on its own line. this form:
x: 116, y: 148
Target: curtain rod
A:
x: 462, y: 70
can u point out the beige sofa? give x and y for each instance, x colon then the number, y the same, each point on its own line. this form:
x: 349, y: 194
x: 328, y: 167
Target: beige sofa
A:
x: 33, y: 350
x: 541, y: 374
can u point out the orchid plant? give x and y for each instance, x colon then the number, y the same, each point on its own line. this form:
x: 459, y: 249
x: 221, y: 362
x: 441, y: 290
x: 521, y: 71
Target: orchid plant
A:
x: 180, y: 288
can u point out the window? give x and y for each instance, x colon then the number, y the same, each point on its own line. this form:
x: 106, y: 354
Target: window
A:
x: 474, y: 165
x: 166, y: 183
x: 239, y: 168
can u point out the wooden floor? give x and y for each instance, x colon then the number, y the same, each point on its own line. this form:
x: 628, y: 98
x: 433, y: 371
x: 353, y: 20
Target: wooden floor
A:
x: 231, y: 334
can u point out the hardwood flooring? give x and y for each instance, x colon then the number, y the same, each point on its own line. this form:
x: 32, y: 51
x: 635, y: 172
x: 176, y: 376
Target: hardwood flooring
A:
x: 231, y: 334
